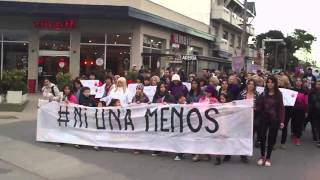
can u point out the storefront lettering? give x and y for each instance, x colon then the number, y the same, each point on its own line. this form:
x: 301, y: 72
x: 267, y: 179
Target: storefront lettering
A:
x: 180, y: 39
x: 189, y: 57
x: 56, y: 25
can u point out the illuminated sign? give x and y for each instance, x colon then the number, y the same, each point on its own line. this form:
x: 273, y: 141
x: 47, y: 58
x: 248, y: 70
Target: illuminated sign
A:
x: 55, y: 24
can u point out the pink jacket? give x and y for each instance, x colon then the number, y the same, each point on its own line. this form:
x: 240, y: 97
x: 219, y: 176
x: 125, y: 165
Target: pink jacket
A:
x: 73, y: 99
x: 207, y: 100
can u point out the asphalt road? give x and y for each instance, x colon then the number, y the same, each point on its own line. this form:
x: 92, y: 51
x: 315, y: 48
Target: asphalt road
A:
x: 21, y: 157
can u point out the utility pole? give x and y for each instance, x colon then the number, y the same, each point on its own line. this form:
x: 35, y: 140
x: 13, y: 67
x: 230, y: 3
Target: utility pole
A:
x: 244, y: 38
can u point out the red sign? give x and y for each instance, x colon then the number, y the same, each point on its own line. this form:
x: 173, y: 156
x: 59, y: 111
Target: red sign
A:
x: 180, y: 39
x: 56, y: 25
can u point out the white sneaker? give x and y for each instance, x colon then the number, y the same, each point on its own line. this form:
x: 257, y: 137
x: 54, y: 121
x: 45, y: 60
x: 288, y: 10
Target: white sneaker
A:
x: 267, y: 163
x: 177, y: 158
x: 96, y: 148
x: 261, y: 162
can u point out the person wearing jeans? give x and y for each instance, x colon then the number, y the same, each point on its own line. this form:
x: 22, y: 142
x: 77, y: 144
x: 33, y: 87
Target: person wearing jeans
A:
x: 270, y: 105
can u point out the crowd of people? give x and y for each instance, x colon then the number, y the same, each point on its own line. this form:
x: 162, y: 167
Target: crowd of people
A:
x: 210, y: 87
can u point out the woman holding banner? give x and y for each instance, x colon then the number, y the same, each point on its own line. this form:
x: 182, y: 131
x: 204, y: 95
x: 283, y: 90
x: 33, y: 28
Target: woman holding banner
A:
x: 120, y: 91
x: 195, y: 92
x: 209, y: 98
x: 270, y: 105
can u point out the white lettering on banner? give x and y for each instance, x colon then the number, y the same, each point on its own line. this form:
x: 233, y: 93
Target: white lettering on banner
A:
x: 92, y: 84
x: 196, y: 128
x: 289, y: 96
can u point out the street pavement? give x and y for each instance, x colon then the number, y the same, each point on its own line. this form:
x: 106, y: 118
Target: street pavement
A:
x: 21, y: 157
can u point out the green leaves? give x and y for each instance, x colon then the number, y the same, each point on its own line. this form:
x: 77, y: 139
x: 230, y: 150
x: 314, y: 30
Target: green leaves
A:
x: 15, y: 80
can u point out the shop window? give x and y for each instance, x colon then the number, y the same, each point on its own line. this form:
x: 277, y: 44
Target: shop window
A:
x: 225, y: 35
x: 196, y: 51
x: 50, y: 66
x: 232, y: 40
x: 15, y: 36
x: 55, y: 41
x: 118, y: 59
x: 119, y: 38
x: 14, y: 49
x: 93, y: 38
x: 153, y: 47
x: 153, y: 42
x: 15, y: 56
x: 90, y: 58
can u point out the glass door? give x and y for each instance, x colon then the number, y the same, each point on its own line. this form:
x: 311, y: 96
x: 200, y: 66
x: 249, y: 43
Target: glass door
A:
x: 54, y: 55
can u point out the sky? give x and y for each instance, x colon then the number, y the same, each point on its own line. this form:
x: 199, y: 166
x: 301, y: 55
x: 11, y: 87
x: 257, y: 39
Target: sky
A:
x: 283, y: 15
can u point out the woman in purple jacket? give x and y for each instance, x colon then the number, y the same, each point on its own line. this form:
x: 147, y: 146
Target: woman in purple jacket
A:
x: 176, y: 87
x: 270, y: 105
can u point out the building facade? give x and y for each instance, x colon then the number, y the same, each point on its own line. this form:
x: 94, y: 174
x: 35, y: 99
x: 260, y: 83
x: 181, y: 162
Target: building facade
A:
x: 227, y: 23
x: 47, y: 37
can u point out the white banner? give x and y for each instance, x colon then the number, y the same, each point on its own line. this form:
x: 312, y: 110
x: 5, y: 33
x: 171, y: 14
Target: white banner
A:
x: 199, y: 129
x: 92, y: 84
x: 289, y: 96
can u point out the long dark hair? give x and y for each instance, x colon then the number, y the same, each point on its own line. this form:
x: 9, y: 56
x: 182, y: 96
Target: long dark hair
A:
x: 254, y: 84
x: 158, y: 92
x: 71, y: 91
x: 77, y: 80
x: 198, y: 90
x: 276, y: 86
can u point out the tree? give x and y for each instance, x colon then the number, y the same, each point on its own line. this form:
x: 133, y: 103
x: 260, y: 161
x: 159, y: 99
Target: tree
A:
x: 300, y: 39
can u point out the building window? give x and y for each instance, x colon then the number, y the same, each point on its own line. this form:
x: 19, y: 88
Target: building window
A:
x: 239, y: 42
x: 54, y: 41
x: 14, y: 48
x: 232, y: 40
x: 152, y: 50
x: 113, y: 48
x: 225, y: 35
x: 198, y: 51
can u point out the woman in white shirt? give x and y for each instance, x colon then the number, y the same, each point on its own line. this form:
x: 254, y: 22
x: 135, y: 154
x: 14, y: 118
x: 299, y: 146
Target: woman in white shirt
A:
x: 120, y: 91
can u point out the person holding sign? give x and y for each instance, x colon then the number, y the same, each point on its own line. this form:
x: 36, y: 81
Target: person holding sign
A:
x: 68, y: 96
x: 209, y: 98
x: 270, y: 105
x: 195, y: 92
x: 120, y: 91
x: 140, y: 96
x: 162, y: 95
x: 176, y: 87
x: 50, y: 91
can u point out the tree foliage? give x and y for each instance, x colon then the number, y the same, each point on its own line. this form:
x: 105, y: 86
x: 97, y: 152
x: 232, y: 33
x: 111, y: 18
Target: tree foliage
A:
x: 299, y: 39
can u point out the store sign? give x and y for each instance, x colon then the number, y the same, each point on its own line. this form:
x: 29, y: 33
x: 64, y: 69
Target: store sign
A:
x: 55, y: 24
x: 180, y: 39
x: 99, y: 62
x: 189, y: 58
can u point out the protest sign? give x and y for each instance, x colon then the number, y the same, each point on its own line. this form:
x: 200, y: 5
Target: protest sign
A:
x: 92, y: 84
x: 289, y: 96
x: 225, y: 129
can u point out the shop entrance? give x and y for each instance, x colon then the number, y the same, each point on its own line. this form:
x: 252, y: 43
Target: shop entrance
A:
x: 54, y: 53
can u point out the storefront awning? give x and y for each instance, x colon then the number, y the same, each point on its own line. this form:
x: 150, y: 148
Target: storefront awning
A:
x: 94, y: 11
x: 215, y: 59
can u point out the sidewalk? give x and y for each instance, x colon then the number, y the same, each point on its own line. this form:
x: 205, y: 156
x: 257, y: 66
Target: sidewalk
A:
x: 29, y: 113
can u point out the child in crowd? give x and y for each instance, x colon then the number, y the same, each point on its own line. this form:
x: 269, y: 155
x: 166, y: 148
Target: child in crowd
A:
x: 85, y: 98
x: 68, y: 96
x: 140, y: 96
x: 115, y: 103
x: 210, y: 95
x: 146, y: 81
